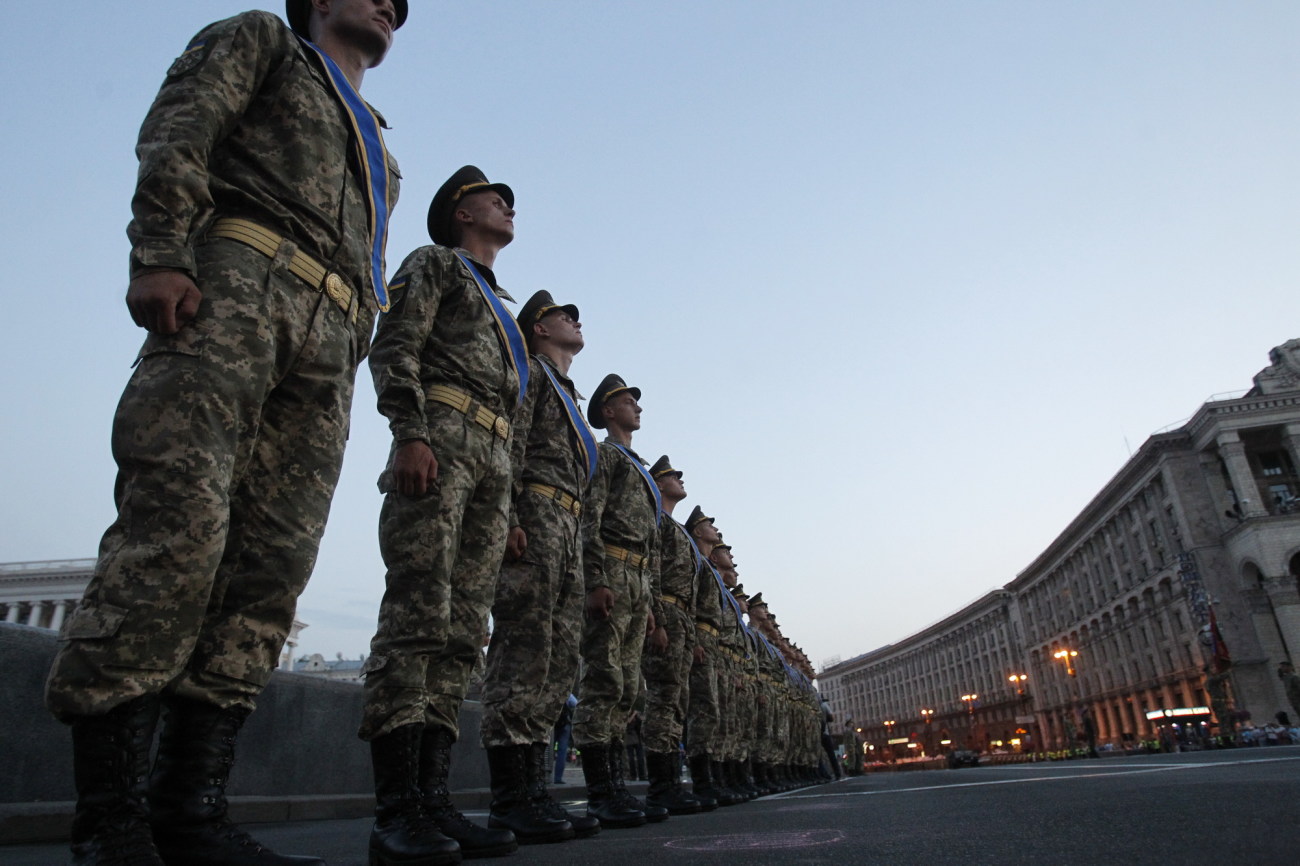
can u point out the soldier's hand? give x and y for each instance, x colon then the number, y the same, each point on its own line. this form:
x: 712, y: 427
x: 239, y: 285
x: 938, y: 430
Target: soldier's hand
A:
x: 697, y: 654
x: 516, y: 544
x: 163, y: 301
x: 659, y: 640
x: 600, y: 602
x: 650, y: 623
x: 414, y: 468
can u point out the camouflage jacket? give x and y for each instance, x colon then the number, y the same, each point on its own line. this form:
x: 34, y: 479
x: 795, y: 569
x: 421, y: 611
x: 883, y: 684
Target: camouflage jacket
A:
x: 545, y: 449
x: 677, y: 563
x: 247, y: 125
x: 440, y: 330
x: 619, y: 510
x: 708, y: 596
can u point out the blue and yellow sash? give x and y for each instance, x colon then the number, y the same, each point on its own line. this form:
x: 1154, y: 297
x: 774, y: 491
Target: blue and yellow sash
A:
x: 586, y: 441
x: 645, y: 476
x: 374, y: 166
x: 507, y: 328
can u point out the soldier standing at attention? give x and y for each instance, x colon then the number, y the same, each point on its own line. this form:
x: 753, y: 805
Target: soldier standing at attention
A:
x: 619, y: 524
x: 450, y: 367
x: 667, y: 674
x: 257, y: 264
x: 533, y: 657
x: 707, y: 671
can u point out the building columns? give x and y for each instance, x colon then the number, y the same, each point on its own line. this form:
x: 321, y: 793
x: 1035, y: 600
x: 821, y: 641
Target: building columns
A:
x: 1284, y: 596
x: 34, y: 616
x: 1233, y: 452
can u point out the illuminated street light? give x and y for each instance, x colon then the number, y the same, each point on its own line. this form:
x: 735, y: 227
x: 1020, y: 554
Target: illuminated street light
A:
x: 970, y: 702
x: 1067, y: 656
x: 1019, y: 680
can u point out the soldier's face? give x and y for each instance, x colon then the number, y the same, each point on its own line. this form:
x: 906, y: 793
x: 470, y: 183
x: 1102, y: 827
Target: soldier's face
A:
x: 623, y: 411
x: 366, y: 23
x: 489, y: 214
x: 562, y: 329
x: 671, y: 486
x: 707, y: 534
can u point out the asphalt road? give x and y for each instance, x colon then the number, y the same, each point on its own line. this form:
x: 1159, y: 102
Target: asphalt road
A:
x: 1236, y: 807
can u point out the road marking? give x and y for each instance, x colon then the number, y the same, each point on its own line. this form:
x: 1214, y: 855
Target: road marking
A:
x: 794, y: 795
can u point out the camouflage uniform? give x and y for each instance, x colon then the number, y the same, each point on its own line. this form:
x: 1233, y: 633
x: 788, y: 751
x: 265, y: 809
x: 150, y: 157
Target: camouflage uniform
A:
x: 619, y: 511
x: 230, y: 434
x: 731, y: 695
x: 667, y: 674
x: 706, y: 676
x: 533, y: 658
x: 442, y: 549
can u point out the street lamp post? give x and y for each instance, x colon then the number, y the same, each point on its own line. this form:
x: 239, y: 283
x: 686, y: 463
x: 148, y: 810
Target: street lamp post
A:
x: 1018, y: 680
x: 927, y: 714
x: 1066, y: 656
x: 970, y: 700
x: 889, y: 735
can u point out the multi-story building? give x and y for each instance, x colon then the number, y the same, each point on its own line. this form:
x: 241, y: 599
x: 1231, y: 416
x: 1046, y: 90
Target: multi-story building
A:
x: 43, y: 594
x: 1108, y: 631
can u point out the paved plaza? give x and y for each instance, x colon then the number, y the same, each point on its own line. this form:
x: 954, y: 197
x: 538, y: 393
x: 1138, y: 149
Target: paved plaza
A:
x: 1238, y: 807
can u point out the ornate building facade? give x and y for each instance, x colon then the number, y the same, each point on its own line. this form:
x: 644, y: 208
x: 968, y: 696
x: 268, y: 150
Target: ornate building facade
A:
x: 1191, y: 552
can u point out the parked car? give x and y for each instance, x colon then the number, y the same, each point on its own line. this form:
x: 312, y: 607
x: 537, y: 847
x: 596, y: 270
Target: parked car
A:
x: 963, y: 758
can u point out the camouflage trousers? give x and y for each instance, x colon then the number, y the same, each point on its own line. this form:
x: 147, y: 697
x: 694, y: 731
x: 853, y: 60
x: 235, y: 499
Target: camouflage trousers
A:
x: 442, y: 551
x: 611, y: 658
x: 702, y: 702
x: 537, y: 618
x: 228, y: 439
x: 667, y: 682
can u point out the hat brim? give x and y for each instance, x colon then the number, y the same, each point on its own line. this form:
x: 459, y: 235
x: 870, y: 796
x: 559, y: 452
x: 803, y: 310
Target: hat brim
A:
x: 442, y: 210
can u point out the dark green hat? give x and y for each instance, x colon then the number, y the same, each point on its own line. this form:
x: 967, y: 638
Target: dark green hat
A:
x: 609, y: 386
x: 539, y: 306
x: 299, y: 13
x: 466, y: 181
x: 663, y: 466
x: 756, y: 600
x: 738, y: 591
x: 697, y: 517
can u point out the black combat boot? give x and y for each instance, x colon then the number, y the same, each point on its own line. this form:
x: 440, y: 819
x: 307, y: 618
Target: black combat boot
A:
x: 404, y: 833
x: 110, y: 765
x: 740, y: 771
x: 665, y: 789
x: 187, y: 793
x: 702, y: 782
x: 512, y: 807
x: 617, y: 755
x: 603, y: 801
x: 435, y: 763
x: 726, y: 795
x: 539, y: 758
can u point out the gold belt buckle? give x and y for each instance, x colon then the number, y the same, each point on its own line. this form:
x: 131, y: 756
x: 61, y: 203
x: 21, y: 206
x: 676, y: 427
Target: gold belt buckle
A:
x: 501, y: 427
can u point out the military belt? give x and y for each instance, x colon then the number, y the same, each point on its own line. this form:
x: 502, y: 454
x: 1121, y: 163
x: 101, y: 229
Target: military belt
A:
x: 672, y: 599
x: 470, y: 408
x: 564, y: 500
x: 706, y: 628
x: 301, y: 265
x: 622, y: 554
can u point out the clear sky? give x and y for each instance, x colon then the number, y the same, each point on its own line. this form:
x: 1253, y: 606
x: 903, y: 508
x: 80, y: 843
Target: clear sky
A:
x: 902, y: 282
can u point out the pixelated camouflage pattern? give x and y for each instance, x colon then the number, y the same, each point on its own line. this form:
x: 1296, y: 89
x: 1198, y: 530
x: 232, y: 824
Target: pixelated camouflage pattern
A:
x: 667, y: 682
x: 439, y: 330
x: 537, y: 618
x: 618, y: 510
x: 702, y: 701
x: 611, y: 657
x: 246, y: 124
x: 544, y: 447
x: 442, y: 551
x: 228, y: 439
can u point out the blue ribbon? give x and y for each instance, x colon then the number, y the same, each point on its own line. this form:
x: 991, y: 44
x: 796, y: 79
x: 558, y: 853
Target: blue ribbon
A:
x: 374, y: 166
x: 507, y: 328
x: 649, y: 482
x: 695, y: 550
x: 586, y: 441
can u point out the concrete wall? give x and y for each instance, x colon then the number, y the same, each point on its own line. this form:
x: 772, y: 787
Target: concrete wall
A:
x: 299, y: 747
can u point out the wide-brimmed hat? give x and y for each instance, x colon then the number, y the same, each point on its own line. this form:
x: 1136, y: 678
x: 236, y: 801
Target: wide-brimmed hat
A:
x: 467, y: 180
x: 610, y: 386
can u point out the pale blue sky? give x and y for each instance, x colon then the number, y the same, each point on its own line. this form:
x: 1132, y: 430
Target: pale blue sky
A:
x: 898, y: 280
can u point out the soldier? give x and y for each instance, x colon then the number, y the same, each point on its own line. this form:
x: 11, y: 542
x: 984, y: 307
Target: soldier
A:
x: 450, y: 367
x: 707, y: 671
x: 619, y: 525
x: 533, y: 658
x: 667, y: 673
x: 257, y: 264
